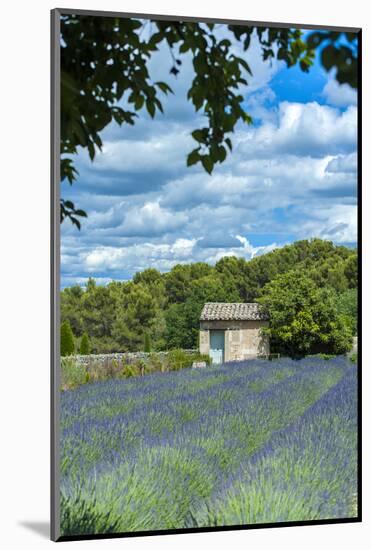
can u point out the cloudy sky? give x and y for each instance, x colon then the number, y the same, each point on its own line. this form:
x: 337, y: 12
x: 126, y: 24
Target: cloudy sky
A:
x: 292, y: 175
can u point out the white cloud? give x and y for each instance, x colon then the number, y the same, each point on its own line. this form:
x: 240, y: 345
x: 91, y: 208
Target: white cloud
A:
x: 162, y: 256
x: 151, y: 219
x: 343, y: 164
x: 335, y: 222
x: 137, y: 257
x: 256, y: 187
x: 262, y: 71
x: 305, y: 129
x: 82, y: 281
x: 339, y: 95
x: 255, y: 250
x: 129, y: 155
x: 260, y: 105
x: 291, y: 176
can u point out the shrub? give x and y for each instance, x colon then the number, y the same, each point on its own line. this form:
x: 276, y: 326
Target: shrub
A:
x: 303, y: 318
x: 147, y: 343
x: 109, y: 368
x: 353, y: 357
x: 129, y: 370
x: 73, y: 374
x: 67, y: 339
x: 85, y: 344
x: 177, y: 359
x: 201, y: 357
x: 155, y: 364
x: 141, y: 366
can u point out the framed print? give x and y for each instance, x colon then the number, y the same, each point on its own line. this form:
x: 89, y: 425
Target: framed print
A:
x: 206, y: 338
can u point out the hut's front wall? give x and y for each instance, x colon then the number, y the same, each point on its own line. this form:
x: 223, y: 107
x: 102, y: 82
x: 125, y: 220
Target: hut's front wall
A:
x: 242, y: 339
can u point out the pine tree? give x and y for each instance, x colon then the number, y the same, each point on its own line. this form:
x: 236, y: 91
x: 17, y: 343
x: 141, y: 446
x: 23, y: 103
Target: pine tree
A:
x: 67, y: 339
x: 147, y: 343
x: 85, y: 344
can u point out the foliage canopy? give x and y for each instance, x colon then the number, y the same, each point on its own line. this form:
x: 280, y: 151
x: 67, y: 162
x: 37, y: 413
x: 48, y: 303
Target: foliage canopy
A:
x: 303, y: 317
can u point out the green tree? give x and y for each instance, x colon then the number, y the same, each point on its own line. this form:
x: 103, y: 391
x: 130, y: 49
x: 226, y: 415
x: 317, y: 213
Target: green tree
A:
x: 98, y: 310
x: 136, y: 314
x: 182, y: 319
x: 154, y: 281
x: 351, y: 271
x: 179, y: 279
x: 105, y: 60
x: 150, y: 277
x: 71, y: 307
x: 347, y: 305
x: 67, y: 339
x: 147, y: 342
x: 85, y: 344
x: 167, y: 306
x: 177, y: 333
x: 232, y: 273
x: 304, y: 318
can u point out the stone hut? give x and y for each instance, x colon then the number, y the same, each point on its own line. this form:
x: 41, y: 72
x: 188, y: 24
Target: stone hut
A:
x: 232, y: 332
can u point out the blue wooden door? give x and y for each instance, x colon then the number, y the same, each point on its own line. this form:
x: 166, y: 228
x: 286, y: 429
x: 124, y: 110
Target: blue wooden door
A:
x: 217, y: 346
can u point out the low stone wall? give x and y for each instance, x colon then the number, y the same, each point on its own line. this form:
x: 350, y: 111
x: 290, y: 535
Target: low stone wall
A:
x: 126, y: 357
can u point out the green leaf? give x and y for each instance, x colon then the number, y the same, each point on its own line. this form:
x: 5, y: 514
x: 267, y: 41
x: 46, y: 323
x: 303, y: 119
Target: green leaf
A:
x: 246, y: 118
x: 304, y: 65
x: 351, y: 36
x: 207, y: 163
x: 193, y: 157
x: 164, y: 87
x: 81, y: 213
x: 128, y: 117
x: 76, y: 222
x: 199, y: 63
x: 184, y: 47
x: 199, y: 135
x: 244, y: 65
x: 135, y: 24
x: 150, y: 108
x: 139, y: 101
x: 158, y: 104
x: 229, y: 143
x: 154, y: 40
x: 328, y: 57
x: 91, y: 150
x: 197, y: 97
x: 225, y: 43
x: 222, y: 153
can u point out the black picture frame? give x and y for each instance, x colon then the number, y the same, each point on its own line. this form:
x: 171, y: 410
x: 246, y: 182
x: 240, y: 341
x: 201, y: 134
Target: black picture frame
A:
x: 55, y: 271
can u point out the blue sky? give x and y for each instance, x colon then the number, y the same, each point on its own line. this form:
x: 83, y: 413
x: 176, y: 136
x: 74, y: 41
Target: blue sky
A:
x: 292, y: 175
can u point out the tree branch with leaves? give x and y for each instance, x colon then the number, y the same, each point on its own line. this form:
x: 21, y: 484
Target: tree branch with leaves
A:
x: 104, y: 65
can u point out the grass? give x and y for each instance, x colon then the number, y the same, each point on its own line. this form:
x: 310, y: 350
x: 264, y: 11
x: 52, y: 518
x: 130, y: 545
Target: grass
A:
x: 251, y: 442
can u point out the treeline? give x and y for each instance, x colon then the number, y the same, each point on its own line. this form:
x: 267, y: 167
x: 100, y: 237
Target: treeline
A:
x: 309, y: 289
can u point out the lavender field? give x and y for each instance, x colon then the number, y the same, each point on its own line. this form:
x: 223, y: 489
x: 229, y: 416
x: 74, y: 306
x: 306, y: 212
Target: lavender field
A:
x: 243, y: 443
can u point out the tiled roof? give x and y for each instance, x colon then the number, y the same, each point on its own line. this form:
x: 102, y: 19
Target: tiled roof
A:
x: 217, y: 311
